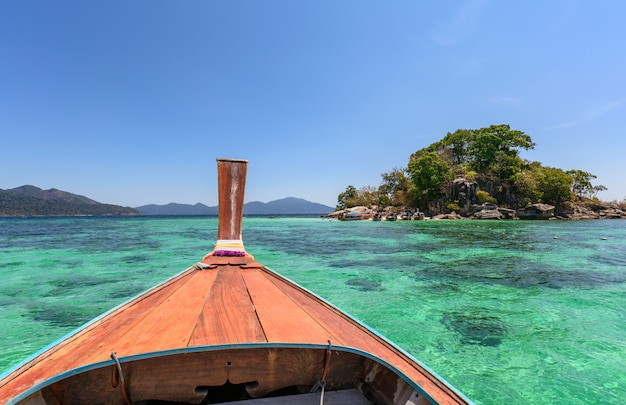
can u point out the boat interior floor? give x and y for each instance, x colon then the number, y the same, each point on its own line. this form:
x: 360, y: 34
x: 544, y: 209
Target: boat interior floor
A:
x: 339, y: 397
x: 349, y: 396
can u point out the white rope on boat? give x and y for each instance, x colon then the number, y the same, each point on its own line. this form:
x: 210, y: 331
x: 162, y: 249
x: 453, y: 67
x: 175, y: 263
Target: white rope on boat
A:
x: 321, y: 383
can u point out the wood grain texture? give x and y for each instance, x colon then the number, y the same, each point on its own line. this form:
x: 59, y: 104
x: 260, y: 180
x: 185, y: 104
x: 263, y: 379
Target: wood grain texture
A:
x: 224, y: 304
x: 265, y: 369
x: 227, y: 321
x: 90, y: 344
x: 282, y: 319
x: 171, y: 322
x: 227, y: 315
x: 350, y: 333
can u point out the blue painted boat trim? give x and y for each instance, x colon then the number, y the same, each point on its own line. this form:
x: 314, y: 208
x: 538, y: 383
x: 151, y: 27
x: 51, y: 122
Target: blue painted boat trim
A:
x: 375, y: 332
x: 87, y: 324
x: 89, y: 367
x: 201, y: 349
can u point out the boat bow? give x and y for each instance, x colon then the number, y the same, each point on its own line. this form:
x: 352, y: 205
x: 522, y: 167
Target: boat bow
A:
x: 227, y: 328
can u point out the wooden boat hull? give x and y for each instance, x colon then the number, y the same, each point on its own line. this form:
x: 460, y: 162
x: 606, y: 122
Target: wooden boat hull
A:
x: 278, y: 358
x: 224, y: 330
x: 229, y: 373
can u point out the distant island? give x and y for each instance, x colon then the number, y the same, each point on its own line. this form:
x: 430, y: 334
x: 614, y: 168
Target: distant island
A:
x: 30, y: 200
x: 33, y: 201
x: 284, y: 206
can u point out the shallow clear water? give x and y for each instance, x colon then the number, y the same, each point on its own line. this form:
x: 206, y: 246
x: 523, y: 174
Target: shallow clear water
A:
x: 506, y: 311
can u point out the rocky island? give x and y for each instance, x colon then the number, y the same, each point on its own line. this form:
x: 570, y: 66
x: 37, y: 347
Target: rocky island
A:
x: 478, y: 174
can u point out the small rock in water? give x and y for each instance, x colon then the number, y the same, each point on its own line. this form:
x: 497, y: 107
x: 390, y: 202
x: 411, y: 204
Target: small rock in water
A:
x: 364, y: 284
x: 492, y: 341
x: 475, y: 329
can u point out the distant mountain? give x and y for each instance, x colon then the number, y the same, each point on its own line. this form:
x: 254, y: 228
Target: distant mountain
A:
x: 285, y: 206
x: 177, y: 209
x: 30, y: 201
x: 52, y: 194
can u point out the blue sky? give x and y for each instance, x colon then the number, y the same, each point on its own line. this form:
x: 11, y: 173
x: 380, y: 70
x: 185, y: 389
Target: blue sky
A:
x: 130, y: 102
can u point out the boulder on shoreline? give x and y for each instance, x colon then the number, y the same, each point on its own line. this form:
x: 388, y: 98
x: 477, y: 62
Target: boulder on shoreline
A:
x: 452, y: 215
x: 491, y: 211
x: 597, y: 210
x: 536, y: 211
x: 359, y: 212
x: 488, y: 214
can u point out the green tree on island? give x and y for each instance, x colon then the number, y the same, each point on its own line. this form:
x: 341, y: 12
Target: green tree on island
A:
x: 396, y: 189
x: 581, y: 183
x: 487, y: 157
x: 490, y: 156
x: 430, y: 174
x: 345, y: 199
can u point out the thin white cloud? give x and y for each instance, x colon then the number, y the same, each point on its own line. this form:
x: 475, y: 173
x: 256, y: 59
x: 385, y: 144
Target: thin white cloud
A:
x: 590, y: 114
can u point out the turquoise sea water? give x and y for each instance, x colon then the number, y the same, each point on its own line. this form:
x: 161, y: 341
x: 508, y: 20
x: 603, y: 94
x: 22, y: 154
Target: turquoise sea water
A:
x: 508, y: 312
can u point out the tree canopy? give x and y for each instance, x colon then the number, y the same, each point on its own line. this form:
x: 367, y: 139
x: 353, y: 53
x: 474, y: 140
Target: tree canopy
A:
x: 491, y: 158
x: 491, y: 151
x: 429, y: 174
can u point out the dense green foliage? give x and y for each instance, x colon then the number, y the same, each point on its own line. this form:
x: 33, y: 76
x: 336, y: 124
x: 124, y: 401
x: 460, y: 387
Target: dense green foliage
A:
x: 491, y: 152
x: 26, y: 205
x: 430, y: 173
x: 396, y: 189
x: 347, y: 198
x: 488, y: 157
x: 581, y: 184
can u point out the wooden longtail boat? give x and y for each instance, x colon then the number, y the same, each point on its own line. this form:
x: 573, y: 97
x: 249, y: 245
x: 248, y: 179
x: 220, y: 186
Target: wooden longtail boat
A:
x: 227, y: 329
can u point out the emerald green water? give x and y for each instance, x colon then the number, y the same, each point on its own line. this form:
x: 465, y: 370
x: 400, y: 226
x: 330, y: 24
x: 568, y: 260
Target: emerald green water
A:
x: 509, y: 312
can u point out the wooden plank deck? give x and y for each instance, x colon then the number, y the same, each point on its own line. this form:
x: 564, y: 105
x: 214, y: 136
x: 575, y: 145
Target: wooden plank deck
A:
x: 226, y: 301
x: 222, y: 305
x: 228, y: 315
x: 283, y: 319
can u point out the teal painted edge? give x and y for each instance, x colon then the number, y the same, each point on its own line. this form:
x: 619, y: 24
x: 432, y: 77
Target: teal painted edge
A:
x: 86, y: 325
x: 198, y: 349
x: 374, y: 331
x: 204, y: 348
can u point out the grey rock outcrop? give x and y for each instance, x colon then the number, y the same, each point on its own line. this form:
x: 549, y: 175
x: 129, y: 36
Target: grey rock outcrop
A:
x: 488, y: 214
x: 452, y: 215
x: 463, y: 191
x: 491, y: 211
x: 536, y: 211
x: 596, y: 212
